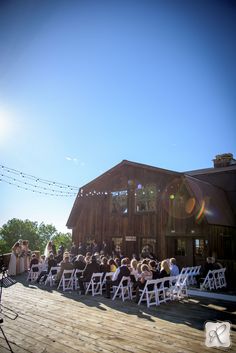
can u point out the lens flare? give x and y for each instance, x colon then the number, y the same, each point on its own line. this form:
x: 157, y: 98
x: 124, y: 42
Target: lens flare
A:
x: 190, y: 204
x: 200, y: 213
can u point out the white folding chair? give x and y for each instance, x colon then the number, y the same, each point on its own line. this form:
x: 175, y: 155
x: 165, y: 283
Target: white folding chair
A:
x: 123, y: 289
x: 209, y: 282
x: 76, y: 277
x: 52, y: 276
x: 198, y: 270
x: 106, y: 276
x: 222, y: 277
x: 219, y: 278
x: 33, y: 273
x: 95, y: 284
x: 184, y: 270
x: 66, y: 281
x: 149, y: 293
x: 178, y: 288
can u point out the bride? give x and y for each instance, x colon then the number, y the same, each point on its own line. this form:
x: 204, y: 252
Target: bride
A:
x: 48, y: 249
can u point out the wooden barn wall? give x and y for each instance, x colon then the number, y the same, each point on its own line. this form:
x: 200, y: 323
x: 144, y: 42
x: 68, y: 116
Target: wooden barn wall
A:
x: 96, y: 221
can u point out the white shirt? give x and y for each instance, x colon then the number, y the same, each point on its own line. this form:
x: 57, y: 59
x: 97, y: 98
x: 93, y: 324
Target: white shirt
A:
x: 174, y: 270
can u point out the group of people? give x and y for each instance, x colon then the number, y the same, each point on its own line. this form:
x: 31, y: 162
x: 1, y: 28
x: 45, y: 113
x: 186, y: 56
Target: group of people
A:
x: 139, y: 271
x: 93, y: 262
x: 20, y: 258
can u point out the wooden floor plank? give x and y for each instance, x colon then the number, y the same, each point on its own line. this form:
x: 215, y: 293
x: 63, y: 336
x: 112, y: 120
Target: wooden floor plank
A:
x: 54, y: 322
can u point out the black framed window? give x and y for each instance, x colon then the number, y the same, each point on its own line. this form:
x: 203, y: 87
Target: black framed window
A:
x: 145, y: 198
x: 180, y: 247
x: 119, y: 201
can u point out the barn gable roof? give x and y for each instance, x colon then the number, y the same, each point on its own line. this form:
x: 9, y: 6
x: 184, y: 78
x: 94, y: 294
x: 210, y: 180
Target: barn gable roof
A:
x: 201, y: 183
x: 109, y: 173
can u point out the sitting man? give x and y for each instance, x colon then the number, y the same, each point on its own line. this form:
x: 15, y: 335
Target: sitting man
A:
x: 121, y: 271
x: 174, y: 270
x: 90, y: 268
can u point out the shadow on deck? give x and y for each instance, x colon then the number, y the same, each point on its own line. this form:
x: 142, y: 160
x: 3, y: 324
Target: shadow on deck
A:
x: 55, y: 321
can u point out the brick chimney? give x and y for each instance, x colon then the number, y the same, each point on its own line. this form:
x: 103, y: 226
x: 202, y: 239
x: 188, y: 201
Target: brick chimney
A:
x: 224, y: 160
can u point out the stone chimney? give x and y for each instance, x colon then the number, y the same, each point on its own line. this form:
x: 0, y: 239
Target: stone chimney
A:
x: 224, y: 160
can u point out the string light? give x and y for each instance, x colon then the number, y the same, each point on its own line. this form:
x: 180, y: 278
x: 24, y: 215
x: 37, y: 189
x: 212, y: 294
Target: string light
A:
x: 38, y: 180
x: 51, y: 188
x: 28, y: 189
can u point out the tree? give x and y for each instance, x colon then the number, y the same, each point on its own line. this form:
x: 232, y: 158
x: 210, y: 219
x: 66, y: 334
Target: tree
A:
x: 46, y: 232
x: 64, y: 238
x: 16, y: 229
x: 37, y: 235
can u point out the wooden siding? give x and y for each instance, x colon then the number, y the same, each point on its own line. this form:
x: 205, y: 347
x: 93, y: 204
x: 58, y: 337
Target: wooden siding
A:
x: 91, y: 216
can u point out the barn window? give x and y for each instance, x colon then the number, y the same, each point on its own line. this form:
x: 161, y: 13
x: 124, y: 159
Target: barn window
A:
x: 199, y: 247
x: 119, y: 201
x: 145, y: 198
x: 180, y: 247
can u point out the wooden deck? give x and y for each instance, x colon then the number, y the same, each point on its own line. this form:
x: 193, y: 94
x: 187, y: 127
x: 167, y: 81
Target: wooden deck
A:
x: 50, y: 321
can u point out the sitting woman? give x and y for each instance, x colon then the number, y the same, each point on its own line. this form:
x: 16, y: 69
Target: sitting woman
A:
x: 134, y: 273
x: 112, y: 264
x: 145, y: 275
x: 153, y: 269
x: 34, y: 261
x: 164, y: 271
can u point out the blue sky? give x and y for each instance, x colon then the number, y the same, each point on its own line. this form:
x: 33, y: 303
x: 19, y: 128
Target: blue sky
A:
x: 86, y: 84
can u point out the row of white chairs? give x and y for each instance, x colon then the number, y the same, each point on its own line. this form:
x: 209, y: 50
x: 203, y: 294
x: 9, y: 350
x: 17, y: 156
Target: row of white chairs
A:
x: 69, y: 281
x: 191, y: 273
x: 154, y: 293
x: 163, y: 290
x: 214, y: 279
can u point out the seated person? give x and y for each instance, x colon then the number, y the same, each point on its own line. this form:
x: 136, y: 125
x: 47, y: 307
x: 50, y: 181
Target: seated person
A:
x: 104, y: 267
x: 59, y: 256
x: 174, y: 270
x: 146, y: 274
x: 121, y: 271
x: 34, y: 261
x: 153, y: 268
x: 134, y: 275
x: 65, y: 265
x: 79, y: 263
x: 51, y: 263
x: 164, y: 270
x: 208, y: 266
x: 90, y: 268
x: 112, y: 264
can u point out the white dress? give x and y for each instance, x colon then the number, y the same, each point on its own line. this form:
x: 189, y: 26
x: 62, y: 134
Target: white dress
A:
x: 12, y: 265
x: 47, y: 251
x: 22, y: 264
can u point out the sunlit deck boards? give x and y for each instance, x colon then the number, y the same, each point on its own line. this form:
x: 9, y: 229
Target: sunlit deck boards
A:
x: 54, y: 322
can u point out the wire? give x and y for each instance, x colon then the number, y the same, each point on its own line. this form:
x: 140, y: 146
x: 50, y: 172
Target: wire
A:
x: 38, y: 180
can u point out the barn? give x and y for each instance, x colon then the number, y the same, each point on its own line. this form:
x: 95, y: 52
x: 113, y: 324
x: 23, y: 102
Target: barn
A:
x: 135, y: 207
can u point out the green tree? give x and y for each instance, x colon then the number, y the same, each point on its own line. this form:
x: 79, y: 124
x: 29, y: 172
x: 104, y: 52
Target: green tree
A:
x: 64, y: 238
x: 16, y: 229
x: 46, y: 232
x: 37, y: 235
